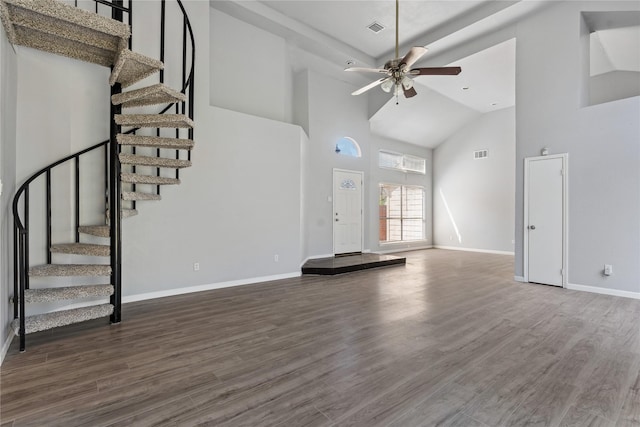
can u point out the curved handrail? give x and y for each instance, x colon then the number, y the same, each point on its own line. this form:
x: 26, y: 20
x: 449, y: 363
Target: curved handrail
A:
x: 193, y: 46
x: 25, y: 185
x: 188, y: 83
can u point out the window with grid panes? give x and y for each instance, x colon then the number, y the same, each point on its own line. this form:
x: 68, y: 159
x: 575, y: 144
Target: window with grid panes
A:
x: 401, y: 213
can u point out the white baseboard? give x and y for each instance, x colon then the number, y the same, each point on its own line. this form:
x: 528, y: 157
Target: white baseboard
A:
x: 6, y: 344
x: 604, y: 291
x: 485, y: 251
x: 519, y: 279
x: 209, y: 287
x: 412, y: 248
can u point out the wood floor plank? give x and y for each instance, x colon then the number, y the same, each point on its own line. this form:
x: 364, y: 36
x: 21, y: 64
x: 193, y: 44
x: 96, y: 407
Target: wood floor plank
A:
x: 576, y: 417
x: 545, y: 407
x: 310, y: 417
x: 505, y: 392
x: 630, y: 416
x: 105, y: 407
x: 450, y: 339
x: 427, y: 380
x: 443, y: 408
x: 165, y: 414
x: 603, y: 393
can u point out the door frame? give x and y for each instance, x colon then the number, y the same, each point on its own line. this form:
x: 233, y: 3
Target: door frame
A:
x: 333, y: 207
x: 565, y: 214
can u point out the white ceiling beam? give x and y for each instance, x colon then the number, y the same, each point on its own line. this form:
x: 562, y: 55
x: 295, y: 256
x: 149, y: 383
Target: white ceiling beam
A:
x: 295, y: 32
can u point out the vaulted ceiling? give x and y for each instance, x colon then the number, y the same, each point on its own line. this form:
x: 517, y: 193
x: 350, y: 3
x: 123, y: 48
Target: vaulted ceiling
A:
x: 337, y: 30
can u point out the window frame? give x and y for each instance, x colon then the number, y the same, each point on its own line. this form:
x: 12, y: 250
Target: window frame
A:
x: 402, y: 218
x: 404, y: 160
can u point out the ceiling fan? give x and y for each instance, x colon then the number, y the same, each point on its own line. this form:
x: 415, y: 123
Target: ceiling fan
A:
x: 398, y: 72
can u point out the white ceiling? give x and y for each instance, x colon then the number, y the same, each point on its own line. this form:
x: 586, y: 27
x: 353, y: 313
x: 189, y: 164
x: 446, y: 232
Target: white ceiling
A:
x: 336, y: 30
x: 347, y: 21
x: 442, y: 106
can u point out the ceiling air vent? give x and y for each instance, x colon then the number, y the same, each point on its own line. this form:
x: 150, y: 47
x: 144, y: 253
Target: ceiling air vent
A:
x: 376, y: 27
x: 480, y: 154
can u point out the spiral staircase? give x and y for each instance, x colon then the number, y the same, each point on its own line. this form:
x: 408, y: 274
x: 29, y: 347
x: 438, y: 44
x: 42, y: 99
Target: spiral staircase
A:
x: 154, y: 119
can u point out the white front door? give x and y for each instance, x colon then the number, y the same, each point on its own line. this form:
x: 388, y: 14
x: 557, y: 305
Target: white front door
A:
x: 347, y: 211
x: 545, y: 206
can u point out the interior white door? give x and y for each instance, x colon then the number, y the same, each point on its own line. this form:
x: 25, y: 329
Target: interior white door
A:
x: 347, y: 211
x: 545, y: 220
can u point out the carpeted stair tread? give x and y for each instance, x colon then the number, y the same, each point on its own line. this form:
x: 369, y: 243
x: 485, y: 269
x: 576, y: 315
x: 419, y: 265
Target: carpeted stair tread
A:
x: 137, y: 195
x: 59, y: 46
x: 64, y: 270
x: 66, y: 293
x: 154, y: 120
x: 154, y: 141
x: 135, y: 178
x: 95, y: 230
x: 132, y: 159
x: 43, y: 322
x: 124, y: 213
x: 81, y: 249
x: 34, y: 21
x: 131, y: 67
x: 150, y: 95
x: 59, y: 28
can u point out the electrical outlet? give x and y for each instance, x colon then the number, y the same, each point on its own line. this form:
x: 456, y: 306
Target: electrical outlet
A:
x: 196, y: 266
x: 608, y: 270
x: 276, y: 258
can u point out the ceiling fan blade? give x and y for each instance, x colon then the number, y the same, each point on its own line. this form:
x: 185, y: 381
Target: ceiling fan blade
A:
x: 367, y: 70
x: 436, y: 71
x: 412, y: 56
x: 409, y: 93
x: 370, y: 86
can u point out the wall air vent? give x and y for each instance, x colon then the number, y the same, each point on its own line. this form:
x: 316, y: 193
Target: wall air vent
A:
x: 480, y: 154
x: 376, y: 27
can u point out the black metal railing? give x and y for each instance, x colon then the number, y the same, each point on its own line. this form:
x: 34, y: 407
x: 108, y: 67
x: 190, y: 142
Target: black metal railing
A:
x: 112, y: 170
x: 21, y: 229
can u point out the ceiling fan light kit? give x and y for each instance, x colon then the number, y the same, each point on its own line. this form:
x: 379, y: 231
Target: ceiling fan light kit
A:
x: 399, y: 73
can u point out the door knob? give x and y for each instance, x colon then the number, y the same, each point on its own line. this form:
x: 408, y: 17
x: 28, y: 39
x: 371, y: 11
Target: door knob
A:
x: 532, y: 227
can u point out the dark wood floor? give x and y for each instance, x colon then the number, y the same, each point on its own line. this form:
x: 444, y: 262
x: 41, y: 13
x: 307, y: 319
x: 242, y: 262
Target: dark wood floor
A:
x: 449, y: 339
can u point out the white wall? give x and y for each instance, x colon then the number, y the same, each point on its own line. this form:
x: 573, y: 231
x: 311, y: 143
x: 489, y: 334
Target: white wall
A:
x: 474, y: 199
x: 333, y: 113
x: 8, y: 96
x: 250, y: 69
x: 613, y: 85
x: 602, y: 142
x: 237, y: 206
x: 63, y: 107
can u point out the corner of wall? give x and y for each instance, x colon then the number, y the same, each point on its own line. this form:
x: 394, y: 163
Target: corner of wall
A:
x: 8, y: 100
